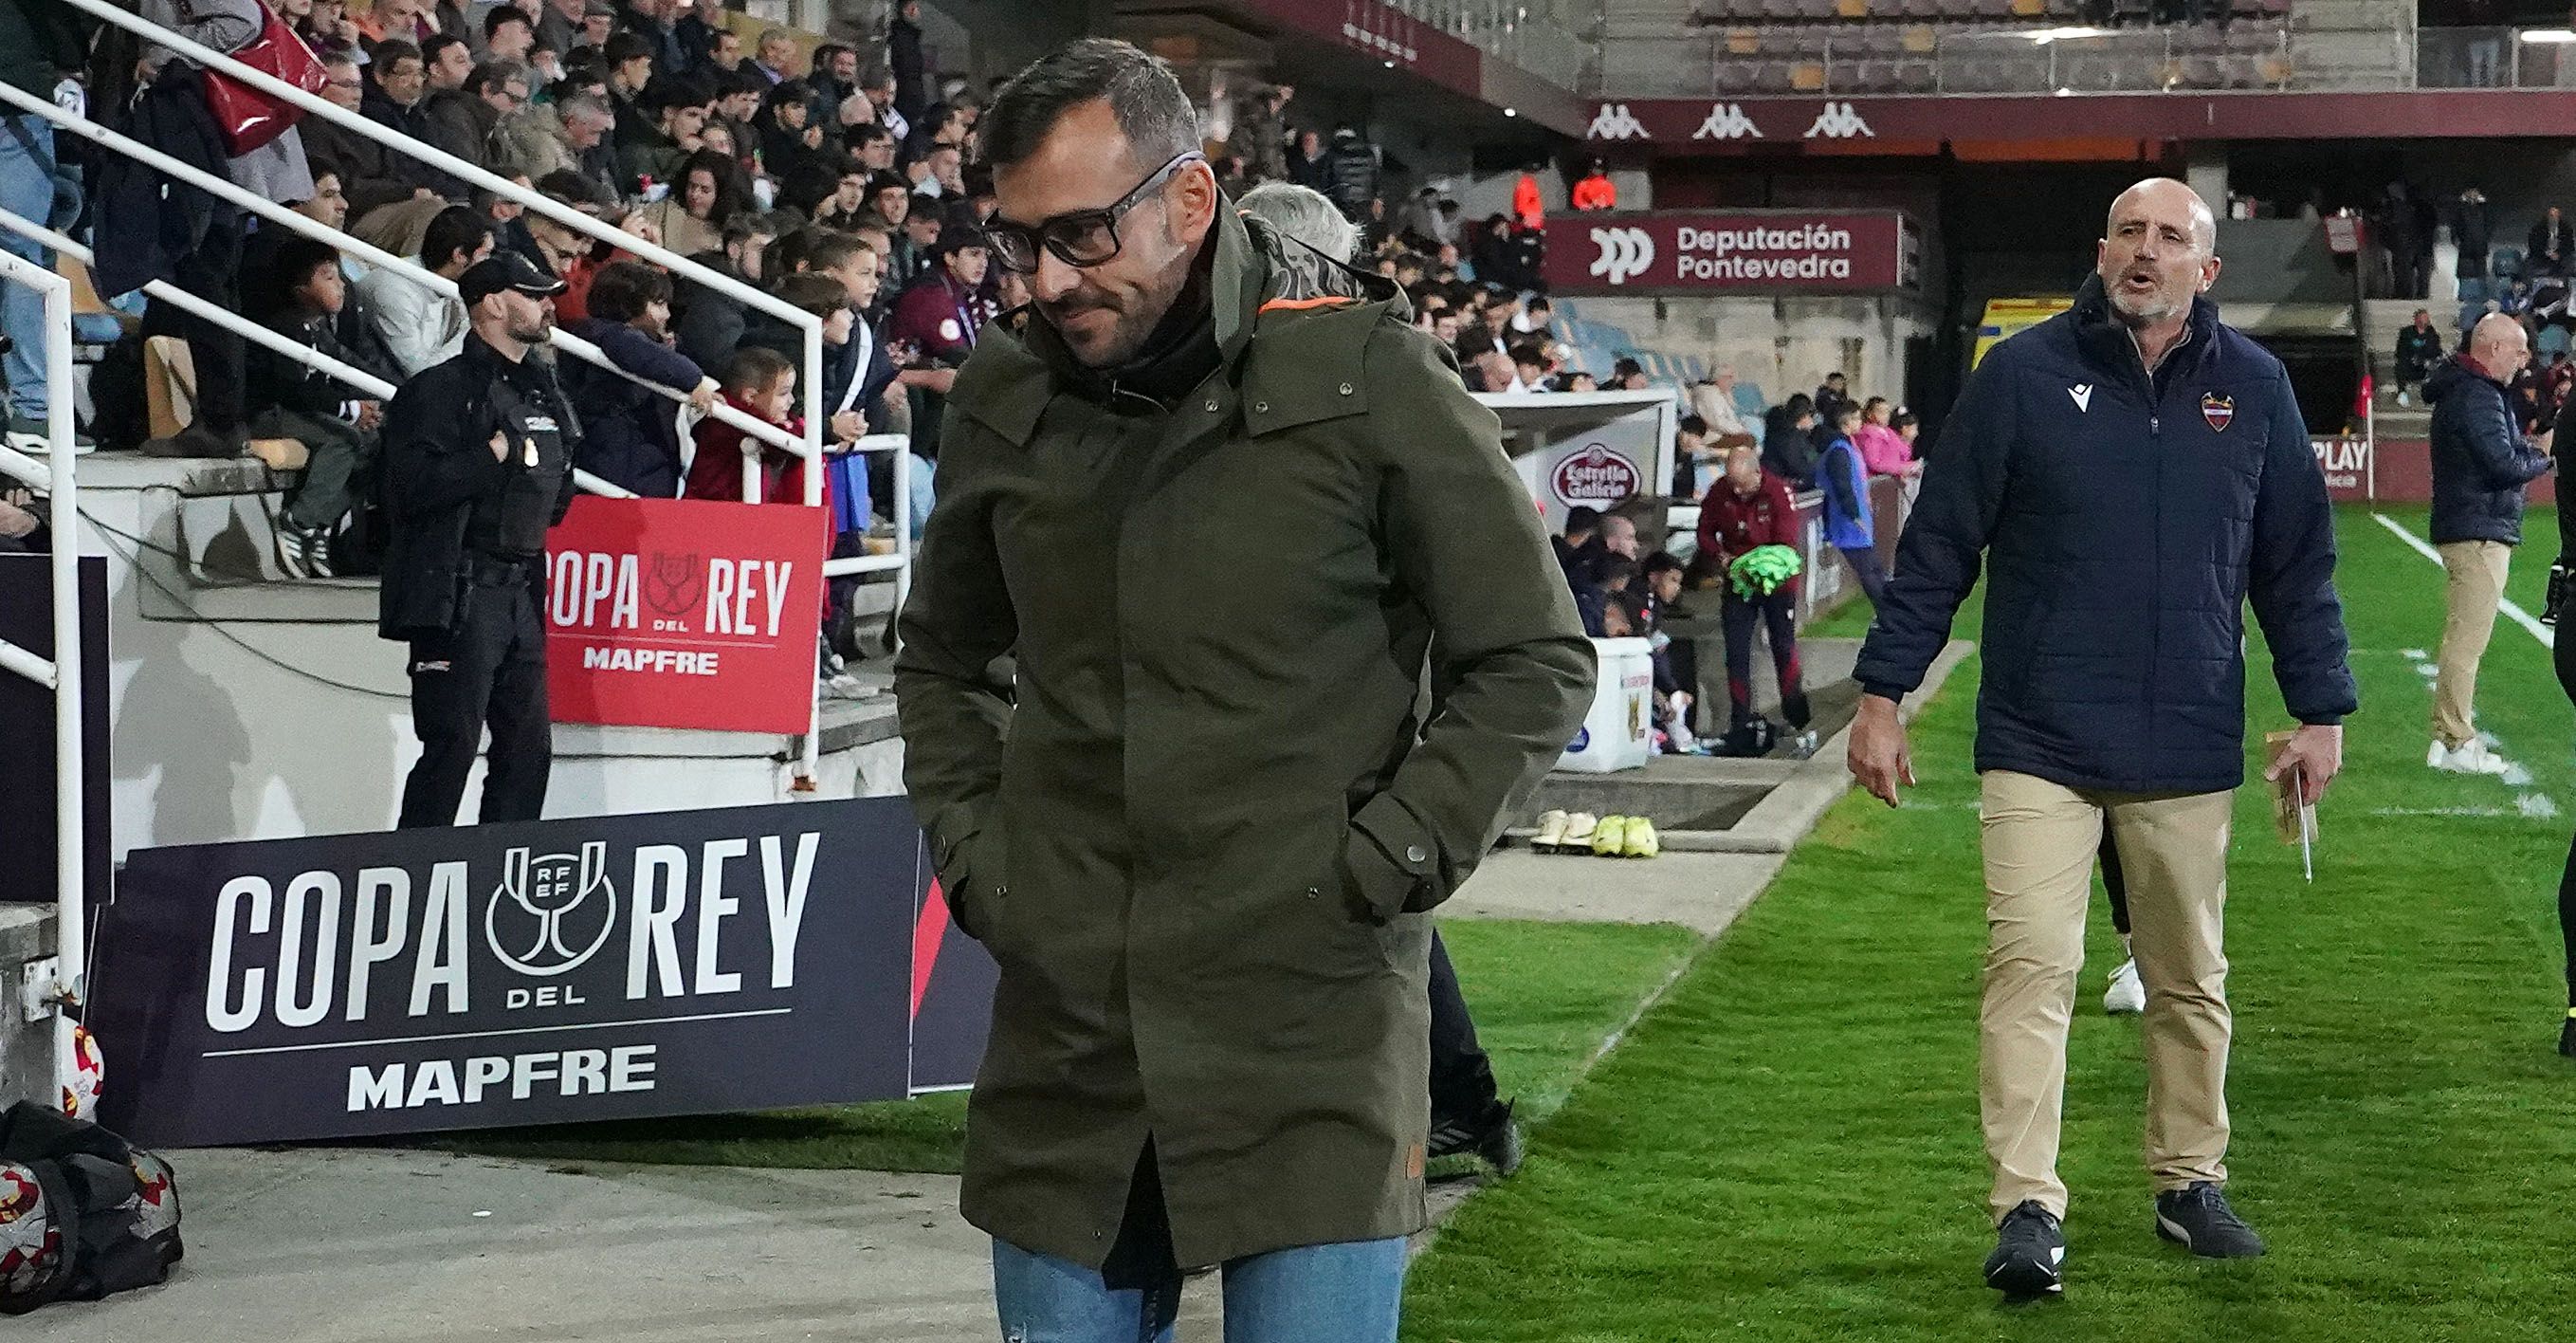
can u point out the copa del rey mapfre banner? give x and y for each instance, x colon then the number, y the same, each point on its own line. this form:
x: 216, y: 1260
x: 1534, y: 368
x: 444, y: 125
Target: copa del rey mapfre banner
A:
x: 684, y: 613
x: 1732, y: 252
x: 608, y: 967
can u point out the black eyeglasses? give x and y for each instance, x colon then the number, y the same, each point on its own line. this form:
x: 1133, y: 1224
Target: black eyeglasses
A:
x: 1079, y: 238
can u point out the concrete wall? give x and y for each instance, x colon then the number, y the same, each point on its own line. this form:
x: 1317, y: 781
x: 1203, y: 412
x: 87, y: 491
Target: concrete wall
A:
x: 265, y: 710
x: 1785, y: 345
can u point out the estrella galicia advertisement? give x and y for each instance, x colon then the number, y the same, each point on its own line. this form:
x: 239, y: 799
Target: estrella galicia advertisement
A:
x: 598, y: 968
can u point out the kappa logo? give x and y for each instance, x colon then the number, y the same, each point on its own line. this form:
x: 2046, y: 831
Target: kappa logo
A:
x: 1726, y: 121
x: 1624, y: 252
x: 1615, y: 122
x: 1840, y: 121
x: 422, y: 668
x: 541, y: 898
x: 2082, y: 392
x: 2219, y: 411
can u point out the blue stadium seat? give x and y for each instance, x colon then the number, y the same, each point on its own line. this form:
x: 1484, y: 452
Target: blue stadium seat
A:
x: 2505, y: 263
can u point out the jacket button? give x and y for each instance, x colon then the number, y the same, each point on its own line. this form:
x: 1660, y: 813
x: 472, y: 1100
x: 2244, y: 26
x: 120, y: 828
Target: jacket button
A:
x: 1312, y: 893
x: 1346, y: 389
x: 1001, y: 890
x: 1211, y: 408
x: 1261, y: 407
x: 1416, y: 854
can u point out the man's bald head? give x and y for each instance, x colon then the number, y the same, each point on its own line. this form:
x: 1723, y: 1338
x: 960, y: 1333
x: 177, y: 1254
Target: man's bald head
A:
x: 2499, y: 345
x: 2159, y: 249
x: 2168, y: 198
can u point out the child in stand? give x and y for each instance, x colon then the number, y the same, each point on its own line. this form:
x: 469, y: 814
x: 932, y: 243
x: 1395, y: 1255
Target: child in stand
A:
x: 760, y: 383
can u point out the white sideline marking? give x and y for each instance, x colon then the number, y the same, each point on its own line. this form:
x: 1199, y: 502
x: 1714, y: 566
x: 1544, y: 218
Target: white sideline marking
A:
x: 2513, y: 612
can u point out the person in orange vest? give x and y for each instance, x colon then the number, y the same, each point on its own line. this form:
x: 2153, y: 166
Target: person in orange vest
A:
x: 1595, y: 192
x: 1526, y: 205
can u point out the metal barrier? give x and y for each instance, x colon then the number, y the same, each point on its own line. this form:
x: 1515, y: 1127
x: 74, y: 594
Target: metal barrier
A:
x: 809, y: 446
x: 62, y: 672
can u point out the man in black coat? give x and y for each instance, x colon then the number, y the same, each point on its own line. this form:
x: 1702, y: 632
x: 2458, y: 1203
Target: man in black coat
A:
x: 2480, y: 466
x: 478, y: 464
x: 2551, y: 246
x: 2137, y: 472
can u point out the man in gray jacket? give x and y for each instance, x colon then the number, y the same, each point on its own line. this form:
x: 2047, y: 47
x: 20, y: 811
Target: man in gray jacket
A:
x: 2480, y: 466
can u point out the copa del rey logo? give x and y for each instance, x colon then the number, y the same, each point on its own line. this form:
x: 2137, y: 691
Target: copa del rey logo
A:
x: 1615, y: 122
x: 1596, y: 476
x: 1726, y: 121
x: 1621, y: 253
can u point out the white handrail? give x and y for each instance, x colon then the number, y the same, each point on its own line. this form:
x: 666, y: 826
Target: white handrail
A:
x: 805, y: 322
x: 71, y: 892
x: 364, y: 250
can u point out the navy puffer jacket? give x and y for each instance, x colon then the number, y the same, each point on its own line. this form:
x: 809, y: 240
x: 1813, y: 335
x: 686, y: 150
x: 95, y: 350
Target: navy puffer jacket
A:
x: 2128, y: 519
x: 2480, y: 463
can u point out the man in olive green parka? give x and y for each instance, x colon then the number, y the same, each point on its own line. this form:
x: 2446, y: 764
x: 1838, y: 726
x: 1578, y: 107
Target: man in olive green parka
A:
x: 1161, y: 697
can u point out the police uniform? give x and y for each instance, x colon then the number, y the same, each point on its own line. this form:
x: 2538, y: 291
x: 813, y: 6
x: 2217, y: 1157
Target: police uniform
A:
x: 465, y: 572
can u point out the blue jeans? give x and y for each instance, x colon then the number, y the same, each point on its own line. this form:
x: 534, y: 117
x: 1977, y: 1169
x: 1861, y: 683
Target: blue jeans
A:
x: 26, y: 190
x: 925, y: 480
x: 1347, y: 1293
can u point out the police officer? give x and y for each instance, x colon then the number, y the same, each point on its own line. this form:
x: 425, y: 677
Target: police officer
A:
x: 478, y: 458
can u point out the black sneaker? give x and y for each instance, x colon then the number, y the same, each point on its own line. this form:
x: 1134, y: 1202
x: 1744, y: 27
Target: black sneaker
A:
x: 2030, y: 1253
x: 2567, y: 1036
x: 2199, y: 1220
x: 1495, y: 1139
x: 303, y: 554
x: 2560, y: 574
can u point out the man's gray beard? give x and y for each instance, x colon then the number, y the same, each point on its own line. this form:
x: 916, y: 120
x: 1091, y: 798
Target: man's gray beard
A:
x: 2140, y: 316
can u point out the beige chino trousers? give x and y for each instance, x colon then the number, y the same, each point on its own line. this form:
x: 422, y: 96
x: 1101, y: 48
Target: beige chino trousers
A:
x: 2474, y: 574
x: 2040, y: 839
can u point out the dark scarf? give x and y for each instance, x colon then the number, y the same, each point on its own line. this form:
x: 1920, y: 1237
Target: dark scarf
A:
x: 1181, y: 351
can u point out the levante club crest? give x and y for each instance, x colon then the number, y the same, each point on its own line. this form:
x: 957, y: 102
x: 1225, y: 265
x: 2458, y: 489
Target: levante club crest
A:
x: 2220, y: 411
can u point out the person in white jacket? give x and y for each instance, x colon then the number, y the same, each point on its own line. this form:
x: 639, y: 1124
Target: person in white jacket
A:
x: 419, y: 326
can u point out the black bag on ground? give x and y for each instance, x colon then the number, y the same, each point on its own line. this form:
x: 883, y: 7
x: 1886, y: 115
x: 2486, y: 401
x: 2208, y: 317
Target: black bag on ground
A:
x: 83, y: 1213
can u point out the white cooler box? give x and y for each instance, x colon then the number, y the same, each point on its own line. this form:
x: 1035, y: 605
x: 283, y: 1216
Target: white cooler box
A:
x: 1619, y: 729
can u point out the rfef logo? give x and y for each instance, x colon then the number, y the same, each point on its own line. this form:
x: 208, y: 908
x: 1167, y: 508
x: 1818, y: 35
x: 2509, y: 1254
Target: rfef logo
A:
x: 1615, y: 122
x: 1623, y: 252
x: 1596, y: 477
x: 1726, y: 121
x: 1840, y: 121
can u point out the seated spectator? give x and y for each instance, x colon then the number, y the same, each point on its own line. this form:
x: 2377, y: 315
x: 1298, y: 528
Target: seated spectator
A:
x: 396, y: 103
x: 630, y: 436
x: 570, y: 135
x: 408, y: 21
x: 1695, y: 462
x: 629, y: 64
x: 418, y: 326
x: 873, y: 146
x: 1844, y: 475
x: 846, y: 203
x: 653, y: 156
x: 1676, y: 661
x: 563, y: 252
x: 916, y: 244
x: 1529, y: 367
x: 369, y: 174
x: 825, y: 298
x: 1788, y: 443
x: 1881, y: 449
x: 789, y: 140
x: 22, y: 523
x: 941, y: 314
x: 2419, y: 347
x: 1713, y: 400
x: 1627, y: 375
x: 508, y: 34
x: 710, y: 324
x: 336, y: 424
x: 775, y: 60
x: 704, y: 198
x: 1748, y: 508
x: 1578, y: 547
